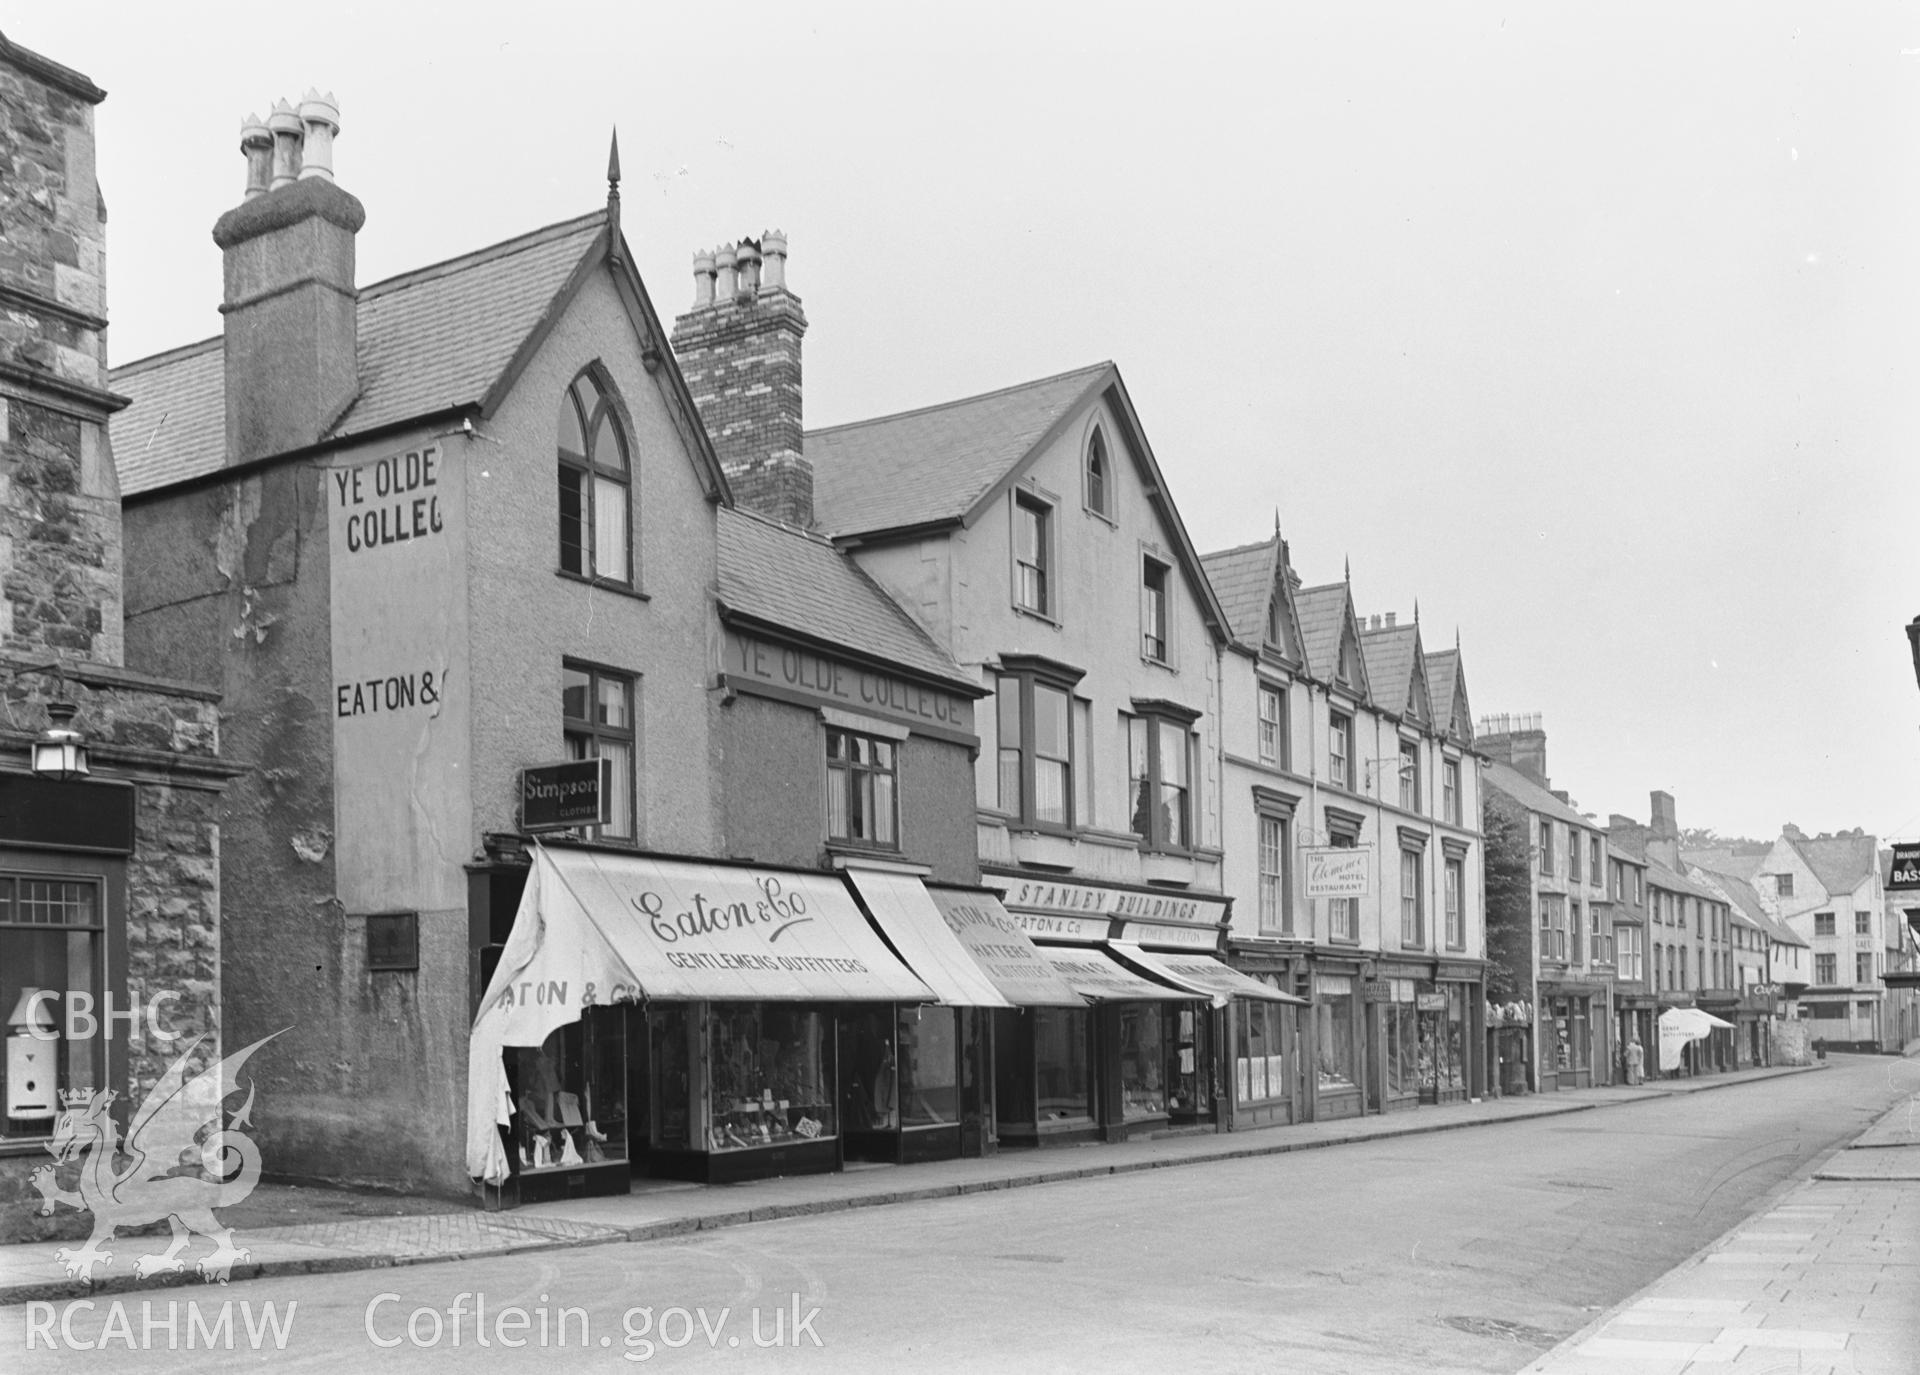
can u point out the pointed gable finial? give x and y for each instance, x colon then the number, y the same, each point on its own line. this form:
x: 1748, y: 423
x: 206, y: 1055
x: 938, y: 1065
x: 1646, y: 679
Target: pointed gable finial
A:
x: 1456, y: 639
x: 1347, y: 573
x: 1416, y: 611
x: 613, y: 194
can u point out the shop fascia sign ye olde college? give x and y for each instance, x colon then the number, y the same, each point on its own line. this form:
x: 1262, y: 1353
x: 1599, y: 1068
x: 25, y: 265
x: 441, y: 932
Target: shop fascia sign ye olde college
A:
x: 763, y: 666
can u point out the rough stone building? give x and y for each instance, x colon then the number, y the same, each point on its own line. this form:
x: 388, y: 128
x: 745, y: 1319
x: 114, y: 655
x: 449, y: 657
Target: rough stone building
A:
x: 109, y: 884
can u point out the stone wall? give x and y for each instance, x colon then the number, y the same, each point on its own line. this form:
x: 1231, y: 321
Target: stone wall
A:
x: 165, y: 739
x: 59, y: 502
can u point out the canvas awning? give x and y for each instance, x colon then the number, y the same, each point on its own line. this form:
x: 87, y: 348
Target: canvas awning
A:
x: 918, y: 932
x: 1202, y: 974
x: 1005, y: 953
x: 595, y: 928
x: 1679, y: 1025
x: 1093, y: 973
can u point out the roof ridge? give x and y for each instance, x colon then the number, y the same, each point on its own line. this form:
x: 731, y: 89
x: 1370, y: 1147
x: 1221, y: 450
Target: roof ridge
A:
x: 1266, y: 543
x: 776, y: 523
x: 165, y: 356
x: 959, y: 400
x: 504, y: 248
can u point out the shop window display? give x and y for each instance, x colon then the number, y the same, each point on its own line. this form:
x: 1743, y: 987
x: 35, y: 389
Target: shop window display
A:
x: 1259, y: 1067
x: 1402, y: 1022
x: 770, y: 1068
x: 50, y: 936
x: 1333, y: 1028
x: 1143, y: 1087
x: 1060, y: 1063
x: 869, y: 1073
x: 570, y: 1095
x: 670, y: 1041
x: 1189, y: 1056
x: 929, y: 1055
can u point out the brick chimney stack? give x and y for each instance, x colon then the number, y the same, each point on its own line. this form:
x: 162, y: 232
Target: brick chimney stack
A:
x: 739, y: 349
x: 291, y: 362
x: 1518, y: 741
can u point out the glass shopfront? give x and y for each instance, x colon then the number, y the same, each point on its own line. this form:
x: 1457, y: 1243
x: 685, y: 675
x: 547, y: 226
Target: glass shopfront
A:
x: 1143, y: 1054
x: 1402, y: 1042
x: 739, y: 1090
x: 1569, y: 1049
x: 1336, y: 1060
x: 570, y: 1100
x: 1441, y: 1063
x: 1063, y: 1078
x: 1259, y: 1060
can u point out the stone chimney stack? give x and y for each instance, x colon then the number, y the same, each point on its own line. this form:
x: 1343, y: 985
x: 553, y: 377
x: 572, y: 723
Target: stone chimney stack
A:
x: 289, y: 301
x: 1663, y: 830
x: 739, y: 349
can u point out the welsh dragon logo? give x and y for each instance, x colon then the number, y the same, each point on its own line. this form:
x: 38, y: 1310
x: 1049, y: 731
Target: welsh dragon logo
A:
x: 182, y: 1159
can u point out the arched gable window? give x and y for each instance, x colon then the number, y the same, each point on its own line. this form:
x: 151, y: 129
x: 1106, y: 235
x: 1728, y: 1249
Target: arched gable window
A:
x: 1099, y: 476
x: 596, y: 494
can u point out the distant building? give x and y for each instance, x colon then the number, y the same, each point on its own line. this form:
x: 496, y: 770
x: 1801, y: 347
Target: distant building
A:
x: 1567, y: 966
x: 1342, y: 737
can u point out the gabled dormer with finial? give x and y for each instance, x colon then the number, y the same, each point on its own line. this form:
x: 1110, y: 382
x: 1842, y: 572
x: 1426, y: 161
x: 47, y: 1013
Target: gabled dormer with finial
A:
x: 1255, y: 584
x: 1331, y: 634
x: 1447, y: 678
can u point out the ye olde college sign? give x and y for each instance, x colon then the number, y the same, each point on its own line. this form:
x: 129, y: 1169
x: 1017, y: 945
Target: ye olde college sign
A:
x: 790, y: 673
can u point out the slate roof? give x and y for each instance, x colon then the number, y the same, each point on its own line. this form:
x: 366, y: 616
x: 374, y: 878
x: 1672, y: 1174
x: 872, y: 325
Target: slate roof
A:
x: 428, y: 340
x: 800, y: 582
x: 1390, y: 653
x: 935, y: 463
x: 1841, y: 863
x: 1658, y: 873
x: 1243, y: 581
x: 1531, y: 795
x: 1724, y: 859
x: 1746, y: 899
x: 1322, y: 614
x: 1443, y: 671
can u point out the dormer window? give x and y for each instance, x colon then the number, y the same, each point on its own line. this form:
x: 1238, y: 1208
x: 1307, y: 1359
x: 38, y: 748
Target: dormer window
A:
x: 595, y: 485
x: 1099, y: 476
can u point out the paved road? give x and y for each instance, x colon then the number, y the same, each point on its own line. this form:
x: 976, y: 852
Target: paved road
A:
x: 1466, y: 1250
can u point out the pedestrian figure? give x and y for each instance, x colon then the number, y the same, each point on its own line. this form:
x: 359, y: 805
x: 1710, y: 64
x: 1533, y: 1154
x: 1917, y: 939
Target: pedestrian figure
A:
x: 1636, y: 1060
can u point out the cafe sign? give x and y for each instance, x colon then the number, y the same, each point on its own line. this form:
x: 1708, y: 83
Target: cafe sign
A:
x: 559, y: 797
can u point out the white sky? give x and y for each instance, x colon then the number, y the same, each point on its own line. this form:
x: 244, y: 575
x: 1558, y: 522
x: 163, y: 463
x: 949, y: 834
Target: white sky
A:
x: 1594, y: 332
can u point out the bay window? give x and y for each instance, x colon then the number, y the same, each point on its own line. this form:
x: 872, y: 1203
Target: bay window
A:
x: 1160, y: 774
x: 1035, y: 733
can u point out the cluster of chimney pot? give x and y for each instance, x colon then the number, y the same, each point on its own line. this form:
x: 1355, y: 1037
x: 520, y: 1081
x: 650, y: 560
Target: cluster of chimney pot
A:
x: 734, y: 270
x: 290, y: 143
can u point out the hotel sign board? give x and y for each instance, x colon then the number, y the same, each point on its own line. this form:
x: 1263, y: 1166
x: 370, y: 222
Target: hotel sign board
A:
x: 1339, y: 872
x: 1904, y: 877
x: 559, y: 797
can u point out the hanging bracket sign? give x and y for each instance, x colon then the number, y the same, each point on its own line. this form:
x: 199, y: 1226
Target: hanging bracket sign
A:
x: 1339, y: 871
x: 1905, y: 874
x: 559, y: 797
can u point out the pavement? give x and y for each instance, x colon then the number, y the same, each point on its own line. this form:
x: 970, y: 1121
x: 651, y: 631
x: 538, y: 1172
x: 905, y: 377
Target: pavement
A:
x: 1824, y: 1281
x: 656, y: 1209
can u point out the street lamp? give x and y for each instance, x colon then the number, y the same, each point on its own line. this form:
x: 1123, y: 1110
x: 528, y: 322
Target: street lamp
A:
x: 61, y: 751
